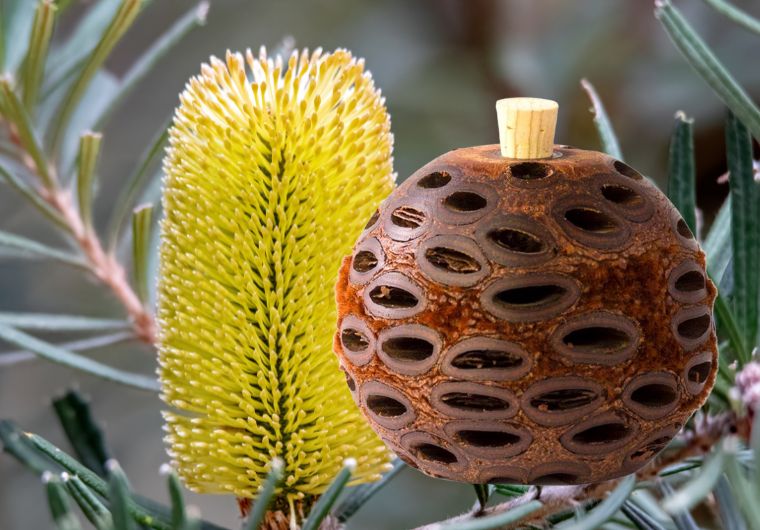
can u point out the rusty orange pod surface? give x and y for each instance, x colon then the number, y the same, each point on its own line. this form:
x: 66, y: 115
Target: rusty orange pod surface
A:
x: 541, y: 321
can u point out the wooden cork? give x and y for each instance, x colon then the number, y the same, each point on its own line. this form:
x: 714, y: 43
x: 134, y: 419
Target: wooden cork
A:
x: 526, y: 127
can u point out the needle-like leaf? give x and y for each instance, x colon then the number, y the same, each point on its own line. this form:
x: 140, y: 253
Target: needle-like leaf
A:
x: 703, y: 60
x: 692, y: 493
x: 682, y: 171
x: 489, y: 522
x: 610, y: 143
x: 735, y: 14
x: 361, y: 494
x: 84, y: 435
x: 89, y: 149
x: 28, y: 248
x: 48, y: 322
x: 72, y: 360
x: 745, y: 216
x: 265, y: 496
x: 121, y: 22
x: 142, y: 220
x: 606, y: 509
x: 15, y: 112
x: 39, y: 42
x: 32, y: 197
x: 145, y: 63
x: 119, y: 496
x: 321, y: 508
x: 60, y: 506
x: 87, y: 501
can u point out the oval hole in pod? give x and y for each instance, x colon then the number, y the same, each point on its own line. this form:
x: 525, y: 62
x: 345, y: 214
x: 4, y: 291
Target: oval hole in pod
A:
x: 692, y: 326
x: 357, y: 340
x: 489, y: 439
x: 433, y: 454
x: 626, y: 170
x: 367, y: 260
x: 587, y: 221
x: 687, y: 282
x: 530, y: 297
x: 652, y: 395
x: 598, y: 337
x: 468, y: 400
x: 599, y: 435
x: 452, y: 260
x: 697, y: 371
x: 561, y: 400
x: 486, y: 359
x: 387, y: 406
x: 560, y: 473
x: 393, y: 295
x: 515, y: 240
x: 409, y: 349
x: 434, y: 180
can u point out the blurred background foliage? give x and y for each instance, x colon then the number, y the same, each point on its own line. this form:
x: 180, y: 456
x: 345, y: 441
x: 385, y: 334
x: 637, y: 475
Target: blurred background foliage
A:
x: 441, y: 65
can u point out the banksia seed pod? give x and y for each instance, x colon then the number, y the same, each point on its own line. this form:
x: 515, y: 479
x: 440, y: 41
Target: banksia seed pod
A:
x: 267, y: 182
x: 543, y: 320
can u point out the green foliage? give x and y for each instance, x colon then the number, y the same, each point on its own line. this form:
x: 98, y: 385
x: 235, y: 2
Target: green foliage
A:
x: 54, y: 89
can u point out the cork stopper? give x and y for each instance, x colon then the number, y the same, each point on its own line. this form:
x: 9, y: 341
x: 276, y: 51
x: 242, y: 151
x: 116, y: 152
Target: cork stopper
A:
x: 526, y: 127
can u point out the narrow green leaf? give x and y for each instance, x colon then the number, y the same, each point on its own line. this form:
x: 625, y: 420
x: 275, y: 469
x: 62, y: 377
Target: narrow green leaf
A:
x: 83, y: 433
x: 682, y: 519
x: 33, y: 197
x: 755, y: 446
x: 89, y: 149
x: 730, y: 516
x: 10, y: 358
x: 482, y: 492
x: 694, y: 491
x: 72, y: 360
x: 717, y: 244
x: 133, y: 184
x: 15, y: 444
x: 179, y: 512
x: 142, y: 222
x: 48, y: 322
x: 321, y: 508
x: 702, y: 59
x: 13, y: 110
x: 682, y: 171
x: 745, y: 491
x: 146, y: 512
x: 119, y: 496
x: 745, y: 216
x: 493, y: 521
x: 39, y: 42
x: 361, y: 494
x: 610, y: 143
x: 68, y: 57
x: 725, y: 320
x: 28, y: 248
x: 605, y: 510
x: 121, y: 22
x: 59, y: 504
x: 18, y: 17
x: 640, y: 518
x: 736, y: 15
x: 169, y: 39
x: 88, y: 502
x: 264, y: 498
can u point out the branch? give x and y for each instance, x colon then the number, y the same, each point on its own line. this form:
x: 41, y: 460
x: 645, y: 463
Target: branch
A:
x: 707, y: 432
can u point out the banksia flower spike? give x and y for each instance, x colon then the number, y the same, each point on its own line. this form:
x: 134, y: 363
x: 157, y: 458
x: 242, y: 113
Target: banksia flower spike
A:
x: 270, y: 177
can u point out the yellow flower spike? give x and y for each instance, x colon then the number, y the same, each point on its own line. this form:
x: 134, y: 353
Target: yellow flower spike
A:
x: 272, y: 167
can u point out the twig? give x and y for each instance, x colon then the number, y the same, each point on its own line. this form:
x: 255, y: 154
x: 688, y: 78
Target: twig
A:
x: 104, y: 266
x: 700, y: 441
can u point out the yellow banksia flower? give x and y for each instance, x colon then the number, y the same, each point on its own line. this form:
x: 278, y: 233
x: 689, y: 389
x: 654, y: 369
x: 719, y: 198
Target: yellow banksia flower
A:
x: 271, y: 172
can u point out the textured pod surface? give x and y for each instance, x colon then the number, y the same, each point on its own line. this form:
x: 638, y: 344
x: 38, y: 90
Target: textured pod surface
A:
x: 270, y: 170
x: 545, y: 321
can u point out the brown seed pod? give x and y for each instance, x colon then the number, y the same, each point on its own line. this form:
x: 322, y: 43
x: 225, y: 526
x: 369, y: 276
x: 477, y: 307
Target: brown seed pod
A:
x: 545, y: 321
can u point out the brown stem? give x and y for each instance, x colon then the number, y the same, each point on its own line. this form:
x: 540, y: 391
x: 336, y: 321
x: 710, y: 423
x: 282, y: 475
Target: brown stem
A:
x: 707, y: 432
x: 104, y: 266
